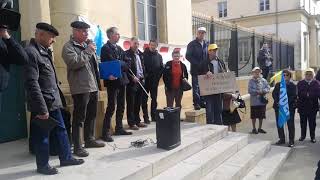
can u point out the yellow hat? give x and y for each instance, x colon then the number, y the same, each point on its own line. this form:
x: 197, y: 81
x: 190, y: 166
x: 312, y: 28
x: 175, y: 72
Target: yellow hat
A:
x: 213, y: 47
x: 310, y: 70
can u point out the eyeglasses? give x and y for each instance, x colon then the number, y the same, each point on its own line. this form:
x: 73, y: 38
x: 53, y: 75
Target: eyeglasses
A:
x: 286, y: 75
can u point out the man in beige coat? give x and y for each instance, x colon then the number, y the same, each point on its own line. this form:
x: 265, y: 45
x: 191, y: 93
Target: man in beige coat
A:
x: 83, y: 77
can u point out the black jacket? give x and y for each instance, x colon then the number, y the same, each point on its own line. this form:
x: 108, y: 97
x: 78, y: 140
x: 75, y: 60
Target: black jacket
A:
x: 40, y: 80
x: 206, y: 66
x: 110, y: 52
x: 292, y: 96
x: 10, y: 53
x: 130, y: 59
x: 167, y: 74
x: 263, y: 57
x: 196, y: 53
x: 153, y: 64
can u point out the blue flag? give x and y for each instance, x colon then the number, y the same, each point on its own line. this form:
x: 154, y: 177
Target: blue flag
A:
x: 98, y: 39
x: 284, y: 113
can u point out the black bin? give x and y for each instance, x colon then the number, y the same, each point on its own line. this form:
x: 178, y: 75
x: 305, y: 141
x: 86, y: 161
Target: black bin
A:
x: 168, y: 128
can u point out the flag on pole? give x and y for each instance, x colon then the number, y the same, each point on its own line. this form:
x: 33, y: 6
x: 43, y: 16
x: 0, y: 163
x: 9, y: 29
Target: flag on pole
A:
x: 276, y: 78
x: 98, y: 39
x: 284, y: 113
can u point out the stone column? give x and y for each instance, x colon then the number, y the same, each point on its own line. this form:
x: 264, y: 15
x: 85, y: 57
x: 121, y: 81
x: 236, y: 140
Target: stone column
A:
x: 62, y: 14
x: 33, y: 12
x: 313, y: 46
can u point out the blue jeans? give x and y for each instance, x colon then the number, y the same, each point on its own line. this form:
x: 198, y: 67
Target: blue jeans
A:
x: 40, y: 141
x: 214, y: 107
x: 197, y: 99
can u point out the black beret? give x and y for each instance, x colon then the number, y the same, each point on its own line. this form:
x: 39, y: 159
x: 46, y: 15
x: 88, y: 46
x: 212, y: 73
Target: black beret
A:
x: 80, y: 25
x: 47, y: 27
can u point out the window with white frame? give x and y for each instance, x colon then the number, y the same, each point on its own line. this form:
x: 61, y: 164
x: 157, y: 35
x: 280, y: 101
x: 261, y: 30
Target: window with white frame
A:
x: 147, y: 19
x: 264, y: 5
x: 222, y: 9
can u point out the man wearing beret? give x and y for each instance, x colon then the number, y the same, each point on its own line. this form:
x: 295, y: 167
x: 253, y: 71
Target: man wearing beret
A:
x: 44, y: 100
x: 83, y: 77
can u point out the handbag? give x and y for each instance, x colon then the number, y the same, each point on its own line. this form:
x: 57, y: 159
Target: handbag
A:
x: 264, y: 99
x: 186, y: 86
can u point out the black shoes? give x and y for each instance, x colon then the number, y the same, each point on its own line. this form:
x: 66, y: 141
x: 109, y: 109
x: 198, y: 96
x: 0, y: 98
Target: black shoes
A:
x: 80, y: 152
x: 291, y: 144
x: 107, y: 138
x: 47, y: 170
x: 254, y: 131
x: 71, y: 162
x: 94, y: 144
x: 197, y: 107
x: 313, y: 140
x: 122, y: 132
x: 262, y: 131
x: 280, y: 142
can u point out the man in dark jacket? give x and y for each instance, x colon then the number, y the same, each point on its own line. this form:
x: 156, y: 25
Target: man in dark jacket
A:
x: 115, y: 87
x: 153, y: 64
x: 84, y: 81
x: 134, y: 59
x: 10, y: 53
x: 44, y: 100
x: 292, y: 101
x: 197, y: 53
x: 265, y: 60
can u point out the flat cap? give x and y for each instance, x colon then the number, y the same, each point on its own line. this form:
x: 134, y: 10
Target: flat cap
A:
x: 80, y: 25
x: 47, y: 27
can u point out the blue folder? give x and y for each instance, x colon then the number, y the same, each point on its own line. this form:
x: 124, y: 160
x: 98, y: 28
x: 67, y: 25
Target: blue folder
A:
x: 108, y: 68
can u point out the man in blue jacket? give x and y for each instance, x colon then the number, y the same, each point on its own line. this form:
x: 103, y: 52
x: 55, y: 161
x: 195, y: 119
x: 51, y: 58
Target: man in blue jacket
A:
x: 197, y: 53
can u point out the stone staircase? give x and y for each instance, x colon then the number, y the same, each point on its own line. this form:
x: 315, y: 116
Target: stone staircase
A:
x: 206, y: 152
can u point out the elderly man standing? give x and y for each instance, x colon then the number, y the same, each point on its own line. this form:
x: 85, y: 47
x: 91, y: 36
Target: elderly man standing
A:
x: 196, y: 54
x: 83, y: 77
x: 134, y: 59
x: 115, y: 86
x: 44, y: 100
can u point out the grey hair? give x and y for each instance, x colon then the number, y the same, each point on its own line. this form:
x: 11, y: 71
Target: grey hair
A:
x: 134, y: 39
x: 111, y: 31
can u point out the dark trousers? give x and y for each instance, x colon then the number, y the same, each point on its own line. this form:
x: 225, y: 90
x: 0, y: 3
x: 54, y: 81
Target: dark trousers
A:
x: 318, y: 172
x: 214, y: 107
x: 265, y: 72
x: 151, y: 86
x: 40, y: 140
x: 290, y: 124
x: 116, y: 97
x: 197, y: 99
x: 311, y: 119
x: 134, y: 100
x: 174, y: 96
x: 0, y: 101
x: 84, y: 115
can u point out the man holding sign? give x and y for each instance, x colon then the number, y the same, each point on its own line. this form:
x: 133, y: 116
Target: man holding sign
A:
x: 213, y: 65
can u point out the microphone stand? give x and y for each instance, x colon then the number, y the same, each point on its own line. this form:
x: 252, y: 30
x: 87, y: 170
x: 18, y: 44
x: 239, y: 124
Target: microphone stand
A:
x: 145, y: 91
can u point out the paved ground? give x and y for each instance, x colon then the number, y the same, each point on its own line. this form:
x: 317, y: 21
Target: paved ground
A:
x: 302, y: 162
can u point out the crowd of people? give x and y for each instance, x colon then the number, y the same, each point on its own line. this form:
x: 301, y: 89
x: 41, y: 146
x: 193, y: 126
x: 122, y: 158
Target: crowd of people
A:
x: 140, y: 76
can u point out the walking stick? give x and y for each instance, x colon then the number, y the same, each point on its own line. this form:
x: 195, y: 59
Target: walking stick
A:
x: 145, y: 91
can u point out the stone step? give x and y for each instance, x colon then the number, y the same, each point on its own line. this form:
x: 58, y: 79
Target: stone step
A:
x: 268, y: 167
x: 238, y: 165
x: 202, y: 163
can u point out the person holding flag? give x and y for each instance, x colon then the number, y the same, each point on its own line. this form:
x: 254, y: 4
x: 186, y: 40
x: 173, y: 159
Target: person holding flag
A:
x: 308, y: 106
x: 285, y: 100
